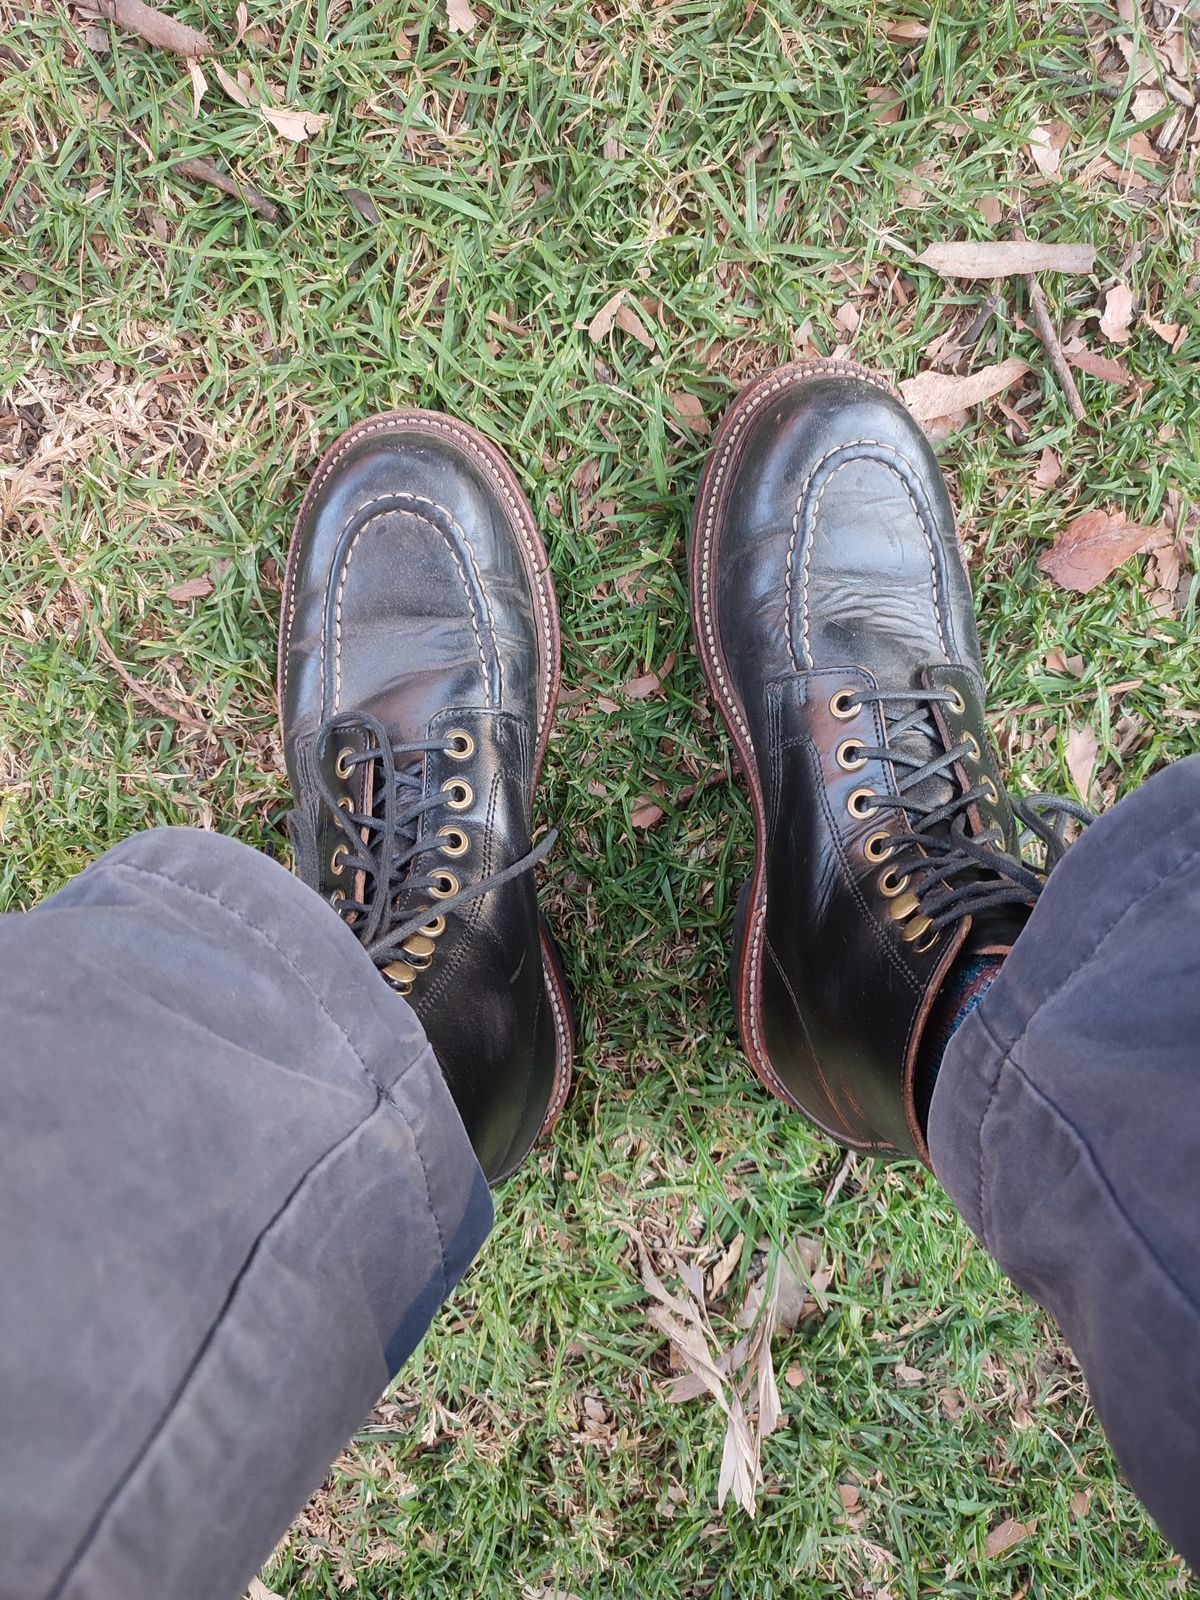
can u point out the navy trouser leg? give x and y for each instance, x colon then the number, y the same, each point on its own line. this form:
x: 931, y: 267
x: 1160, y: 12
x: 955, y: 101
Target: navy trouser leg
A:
x: 1066, y: 1127
x: 234, y: 1190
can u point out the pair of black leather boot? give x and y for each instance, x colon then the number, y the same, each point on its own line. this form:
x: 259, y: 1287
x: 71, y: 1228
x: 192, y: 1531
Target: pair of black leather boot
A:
x: 418, y: 670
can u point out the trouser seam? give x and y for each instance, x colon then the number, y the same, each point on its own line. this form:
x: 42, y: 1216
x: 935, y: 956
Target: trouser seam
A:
x: 98, y: 1522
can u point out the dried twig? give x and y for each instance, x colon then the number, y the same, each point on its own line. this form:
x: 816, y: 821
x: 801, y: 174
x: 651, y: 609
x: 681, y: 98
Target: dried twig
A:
x: 136, y: 17
x: 205, y: 172
x: 138, y: 690
x: 1049, y: 337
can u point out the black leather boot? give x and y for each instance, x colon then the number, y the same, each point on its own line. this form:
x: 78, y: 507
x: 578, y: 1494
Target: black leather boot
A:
x: 418, y: 671
x: 833, y: 618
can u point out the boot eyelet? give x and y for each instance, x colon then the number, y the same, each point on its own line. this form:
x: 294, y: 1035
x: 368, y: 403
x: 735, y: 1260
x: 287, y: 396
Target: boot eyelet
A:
x: 420, y: 948
x: 342, y: 765
x: 462, y: 796
x: 890, y: 884
x: 975, y: 752
x: 904, y: 905
x: 346, y: 803
x: 927, y: 943
x: 459, y: 744
x: 957, y: 704
x: 457, y: 843
x: 877, y: 847
x: 335, y: 861
x: 336, y: 898
x: 846, y: 759
x: 401, y: 975
x: 446, y: 884
x: 859, y: 804
x: 843, y: 705
x: 434, y: 928
x: 989, y: 789
x: 917, y: 929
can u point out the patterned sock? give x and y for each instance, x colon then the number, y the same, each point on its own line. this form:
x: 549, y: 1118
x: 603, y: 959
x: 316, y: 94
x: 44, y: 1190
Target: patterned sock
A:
x: 964, y: 987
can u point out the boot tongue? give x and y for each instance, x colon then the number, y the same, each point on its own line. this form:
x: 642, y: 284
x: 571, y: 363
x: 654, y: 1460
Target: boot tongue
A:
x: 994, y: 932
x: 924, y: 742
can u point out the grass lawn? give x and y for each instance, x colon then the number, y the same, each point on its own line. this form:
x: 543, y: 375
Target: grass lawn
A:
x: 758, y: 177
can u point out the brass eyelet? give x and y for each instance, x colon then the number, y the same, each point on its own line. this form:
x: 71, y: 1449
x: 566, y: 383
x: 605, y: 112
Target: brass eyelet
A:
x: 877, y: 847
x: 434, y: 928
x: 462, y: 796
x: 843, y: 705
x: 337, y: 897
x: 459, y: 744
x: 917, y: 929
x: 401, y: 974
x: 420, y: 946
x: 457, y: 843
x: 335, y: 861
x: 341, y: 766
x: 989, y: 788
x: 346, y: 803
x: 890, y: 884
x: 957, y: 704
x: 927, y: 943
x: 846, y: 760
x: 858, y: 805
x: 975, y: 752
x: 448, y: 884
x: 904, y: 905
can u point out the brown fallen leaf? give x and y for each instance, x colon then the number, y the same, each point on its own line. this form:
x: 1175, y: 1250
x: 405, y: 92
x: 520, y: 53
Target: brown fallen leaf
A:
x: 602, y: 323
x: 643, y: 686
x: 460, y: 16
x: 192, y: 589
x: 201, y: 171
x: 231, y: 86
x: 1005, y: 1536
x: 1045, y: 154
x: 292, y: 124
x: 1103, y: 367
x: 1049, y: 470
x: 259, y: 1591
x: 1118, y: 314
x: 199, y: 86
x: 1171, y: 333
x: 908, y: 1377
x: 1081, y: 1503
x: 1083, y: 751
x: 794, y: 1376
x: 1090, y: 547
x: 691, y: 408
x: 940, y: 394
x: 907, y: 30
x: 1005, y: 258
x: 646, y: 811
x: 241, y: 18
x: 627, y: 319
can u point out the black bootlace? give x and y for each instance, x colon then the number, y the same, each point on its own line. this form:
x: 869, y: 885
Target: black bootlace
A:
x: 951, y: 871
x: 385, y: 844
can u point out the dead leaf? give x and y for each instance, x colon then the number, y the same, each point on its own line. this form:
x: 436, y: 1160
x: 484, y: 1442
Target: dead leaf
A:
x: 193, y: 589
x: 1005, y: 1536
x: 1006, y: 258
x: 908, y: 1377
x: 627, y: 319
x: 1083, y: 751
x: 360, y: 201
x: 1118, y: 313
x: 1095, y: 366
x: 641, y: 688
x: 1081, y: 1503
x: 940, y: 394
x: 1049, y: 470
x: 691, y: 408
x: 848, y: 317
x: 199, y: 86
x: 886, y: 105
x: 794, y: 1376
x: 231, y: 86
x: 991, y: 210
x: 726, y: 1267
x: 602, y: 323
x: 460, y: 17
x: 646, y: 812
x: 259, y: 1591
x: 1045, y: 155
x: 798, y: 1274
x: 241, y: 18
x: 907, y: 30
x: 1090, y: 547
x: 1171, y: 333
x: 294, y: 125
